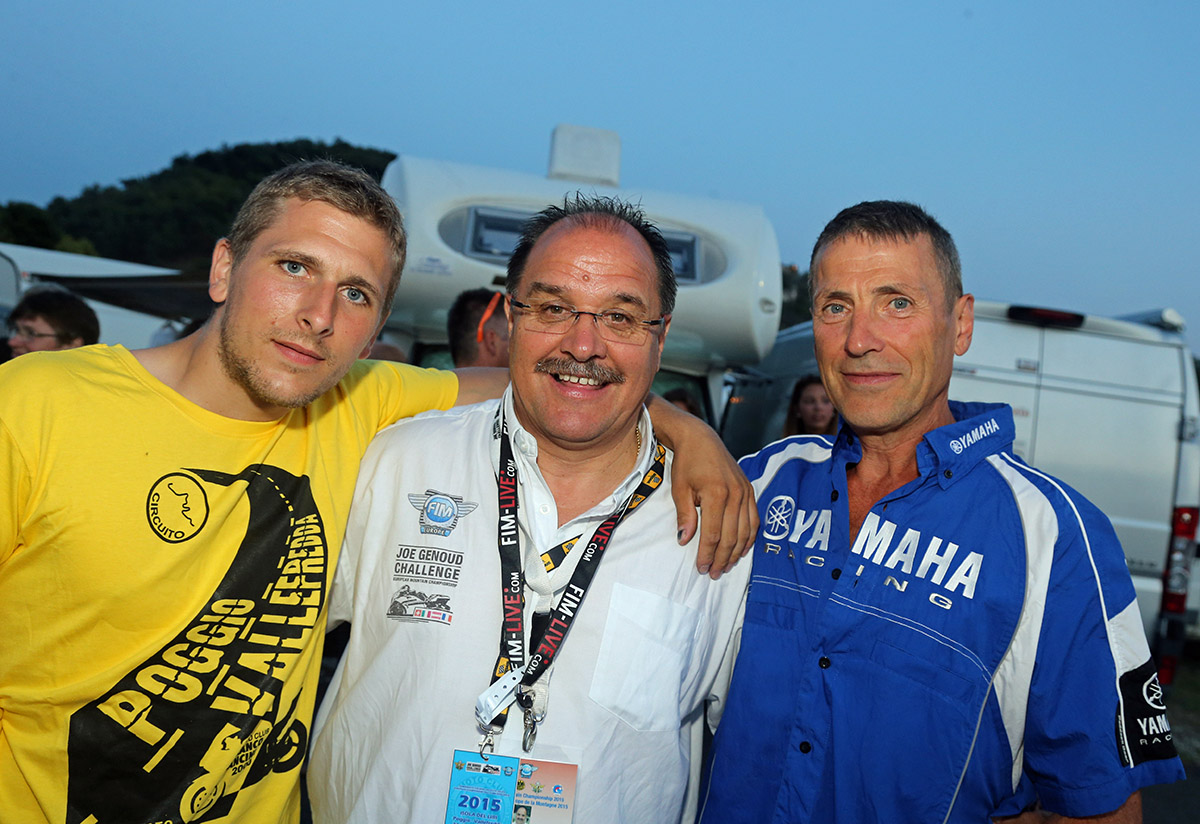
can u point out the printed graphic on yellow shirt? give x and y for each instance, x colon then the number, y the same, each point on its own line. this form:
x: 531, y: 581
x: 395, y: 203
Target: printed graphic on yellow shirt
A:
x: 181, y: 734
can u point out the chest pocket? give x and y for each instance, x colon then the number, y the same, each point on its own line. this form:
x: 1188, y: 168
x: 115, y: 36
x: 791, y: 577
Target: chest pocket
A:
x: 643, y: 659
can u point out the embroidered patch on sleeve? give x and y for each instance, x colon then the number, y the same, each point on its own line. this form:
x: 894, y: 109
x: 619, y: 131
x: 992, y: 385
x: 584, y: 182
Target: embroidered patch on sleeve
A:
x: 1147, y: 731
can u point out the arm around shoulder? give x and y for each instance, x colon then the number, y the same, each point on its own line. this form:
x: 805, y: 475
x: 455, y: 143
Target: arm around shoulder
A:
x: 480, y: 383
x: 706, y: 475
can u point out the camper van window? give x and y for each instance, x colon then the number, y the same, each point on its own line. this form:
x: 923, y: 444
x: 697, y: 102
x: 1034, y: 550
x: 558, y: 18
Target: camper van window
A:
x: 683, y: 256
x: 493, y: 233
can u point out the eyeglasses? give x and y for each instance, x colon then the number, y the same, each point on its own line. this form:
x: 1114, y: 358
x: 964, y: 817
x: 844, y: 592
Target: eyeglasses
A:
x: 614, y: 325
x: 487, y: 314
x: 16, y: 330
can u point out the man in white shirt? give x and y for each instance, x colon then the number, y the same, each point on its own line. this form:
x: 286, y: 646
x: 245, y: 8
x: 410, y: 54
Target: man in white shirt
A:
x: 531, y: 536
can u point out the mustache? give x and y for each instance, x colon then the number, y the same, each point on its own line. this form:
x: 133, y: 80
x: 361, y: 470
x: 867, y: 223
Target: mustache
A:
x: 576, y: 369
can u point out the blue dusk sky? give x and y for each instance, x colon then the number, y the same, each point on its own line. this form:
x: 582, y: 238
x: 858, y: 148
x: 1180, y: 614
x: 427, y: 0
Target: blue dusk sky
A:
x: 1057, y: 141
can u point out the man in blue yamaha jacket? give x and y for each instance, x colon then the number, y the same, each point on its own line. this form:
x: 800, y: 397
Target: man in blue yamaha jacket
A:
x: 935, y: 631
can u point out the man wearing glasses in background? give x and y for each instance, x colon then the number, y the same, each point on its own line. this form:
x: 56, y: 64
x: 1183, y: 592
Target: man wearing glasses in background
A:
x: 50, y: 318
x: 519, y: 609
x: 477, y: 329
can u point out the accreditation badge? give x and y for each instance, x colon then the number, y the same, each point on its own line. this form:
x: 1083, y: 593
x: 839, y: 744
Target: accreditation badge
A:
x: 505, y: 789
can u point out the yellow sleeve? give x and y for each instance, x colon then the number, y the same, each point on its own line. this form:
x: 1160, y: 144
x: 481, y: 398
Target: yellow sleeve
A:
x: 399, y: 390
x: 15, y: 484
x: 425, y: 389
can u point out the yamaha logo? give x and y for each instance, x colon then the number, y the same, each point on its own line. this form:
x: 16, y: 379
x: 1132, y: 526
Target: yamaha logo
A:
x: 1152, y: 691
x: 778, y: 518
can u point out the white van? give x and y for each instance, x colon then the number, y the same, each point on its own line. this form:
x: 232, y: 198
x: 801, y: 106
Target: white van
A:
x: 1108, y: 405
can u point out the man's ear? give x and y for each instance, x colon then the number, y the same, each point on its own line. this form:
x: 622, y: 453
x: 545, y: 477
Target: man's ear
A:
x: 492, y: 341
x: 220, y: 271
x: 964, y: 318
x: 662, y: 338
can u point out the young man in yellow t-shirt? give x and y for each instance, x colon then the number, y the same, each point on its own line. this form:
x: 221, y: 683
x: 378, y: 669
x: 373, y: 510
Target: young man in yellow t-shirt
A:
x: 170, y: 518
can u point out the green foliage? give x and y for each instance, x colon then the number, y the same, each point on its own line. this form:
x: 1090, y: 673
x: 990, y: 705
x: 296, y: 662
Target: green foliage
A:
x: 74, y: 245
x: 27, y: 225
x: 796, y: 308
x: 170, y: 218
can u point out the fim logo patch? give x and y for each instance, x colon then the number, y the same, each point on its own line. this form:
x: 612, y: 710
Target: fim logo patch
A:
x: 177, y: 507
x: 440, y: 512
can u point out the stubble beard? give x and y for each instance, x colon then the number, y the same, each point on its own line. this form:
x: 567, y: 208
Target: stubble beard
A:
x: 245, y: 373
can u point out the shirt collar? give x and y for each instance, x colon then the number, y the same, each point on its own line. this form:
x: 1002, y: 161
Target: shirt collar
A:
x: 525, y: 451
x: 979, y: 431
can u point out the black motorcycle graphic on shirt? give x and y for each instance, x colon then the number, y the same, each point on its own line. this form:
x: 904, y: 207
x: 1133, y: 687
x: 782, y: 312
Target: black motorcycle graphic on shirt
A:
x: 179, y: 736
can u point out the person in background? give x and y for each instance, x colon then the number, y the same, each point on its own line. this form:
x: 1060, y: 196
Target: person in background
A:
x: 685, y: 400
x: 477, y: 329
x: 50, y: 318
x: 810, y: 411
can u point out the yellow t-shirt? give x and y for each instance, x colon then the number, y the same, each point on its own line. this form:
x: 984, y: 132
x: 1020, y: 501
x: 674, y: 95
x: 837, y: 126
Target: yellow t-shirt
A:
x: 163, y: 576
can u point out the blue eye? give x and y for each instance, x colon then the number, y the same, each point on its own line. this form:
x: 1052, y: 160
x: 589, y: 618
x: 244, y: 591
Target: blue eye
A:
x: 356, y: 295
x: 901, y: 303
x: 293, y: 268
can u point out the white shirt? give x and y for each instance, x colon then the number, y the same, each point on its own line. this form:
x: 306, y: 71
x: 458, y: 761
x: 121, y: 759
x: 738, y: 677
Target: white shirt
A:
x: 625, y: 697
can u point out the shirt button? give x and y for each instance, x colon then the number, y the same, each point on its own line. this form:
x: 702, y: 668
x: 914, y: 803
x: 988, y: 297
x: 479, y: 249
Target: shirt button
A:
x: 544, y: 509
x: 833, y: 495
x: 824, y: 662
x: 948, y: 474
x: 805, y: 747
x: 837, y: 573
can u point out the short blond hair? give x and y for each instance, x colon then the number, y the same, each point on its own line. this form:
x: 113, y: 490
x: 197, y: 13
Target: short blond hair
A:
x: 351, y: 190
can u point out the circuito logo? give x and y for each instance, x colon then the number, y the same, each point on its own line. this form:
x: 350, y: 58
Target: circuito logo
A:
x: 778, y: 517
x: 1153, y: 693
x: 177, y: 507
x: 440, y: 512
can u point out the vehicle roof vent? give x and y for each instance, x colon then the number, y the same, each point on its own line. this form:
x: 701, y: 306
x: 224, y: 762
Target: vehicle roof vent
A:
x: 585, y: 155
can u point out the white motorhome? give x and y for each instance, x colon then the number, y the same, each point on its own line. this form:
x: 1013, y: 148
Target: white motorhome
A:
x: 464, y: 221
x: 1108, y: 405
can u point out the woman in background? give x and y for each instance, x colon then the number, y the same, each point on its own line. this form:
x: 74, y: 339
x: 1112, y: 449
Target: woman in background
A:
x: 810, y: 411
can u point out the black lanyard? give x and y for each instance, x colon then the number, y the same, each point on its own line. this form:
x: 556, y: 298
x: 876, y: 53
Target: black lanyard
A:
x: 512, y: 573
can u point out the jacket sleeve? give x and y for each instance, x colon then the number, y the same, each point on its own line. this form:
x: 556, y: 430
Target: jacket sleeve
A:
x: 1096, y: 729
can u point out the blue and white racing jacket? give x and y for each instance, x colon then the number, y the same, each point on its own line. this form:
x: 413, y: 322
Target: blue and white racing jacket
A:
x: 978, y: 646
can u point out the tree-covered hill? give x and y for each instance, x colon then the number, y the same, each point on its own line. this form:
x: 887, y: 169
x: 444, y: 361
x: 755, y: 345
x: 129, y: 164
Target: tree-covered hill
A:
x: 170, y: 218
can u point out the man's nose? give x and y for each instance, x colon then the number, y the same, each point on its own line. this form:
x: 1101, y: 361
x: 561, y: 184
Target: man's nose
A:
x: 583, y: 340
x: 861, y: 334
x: 318, y: 306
